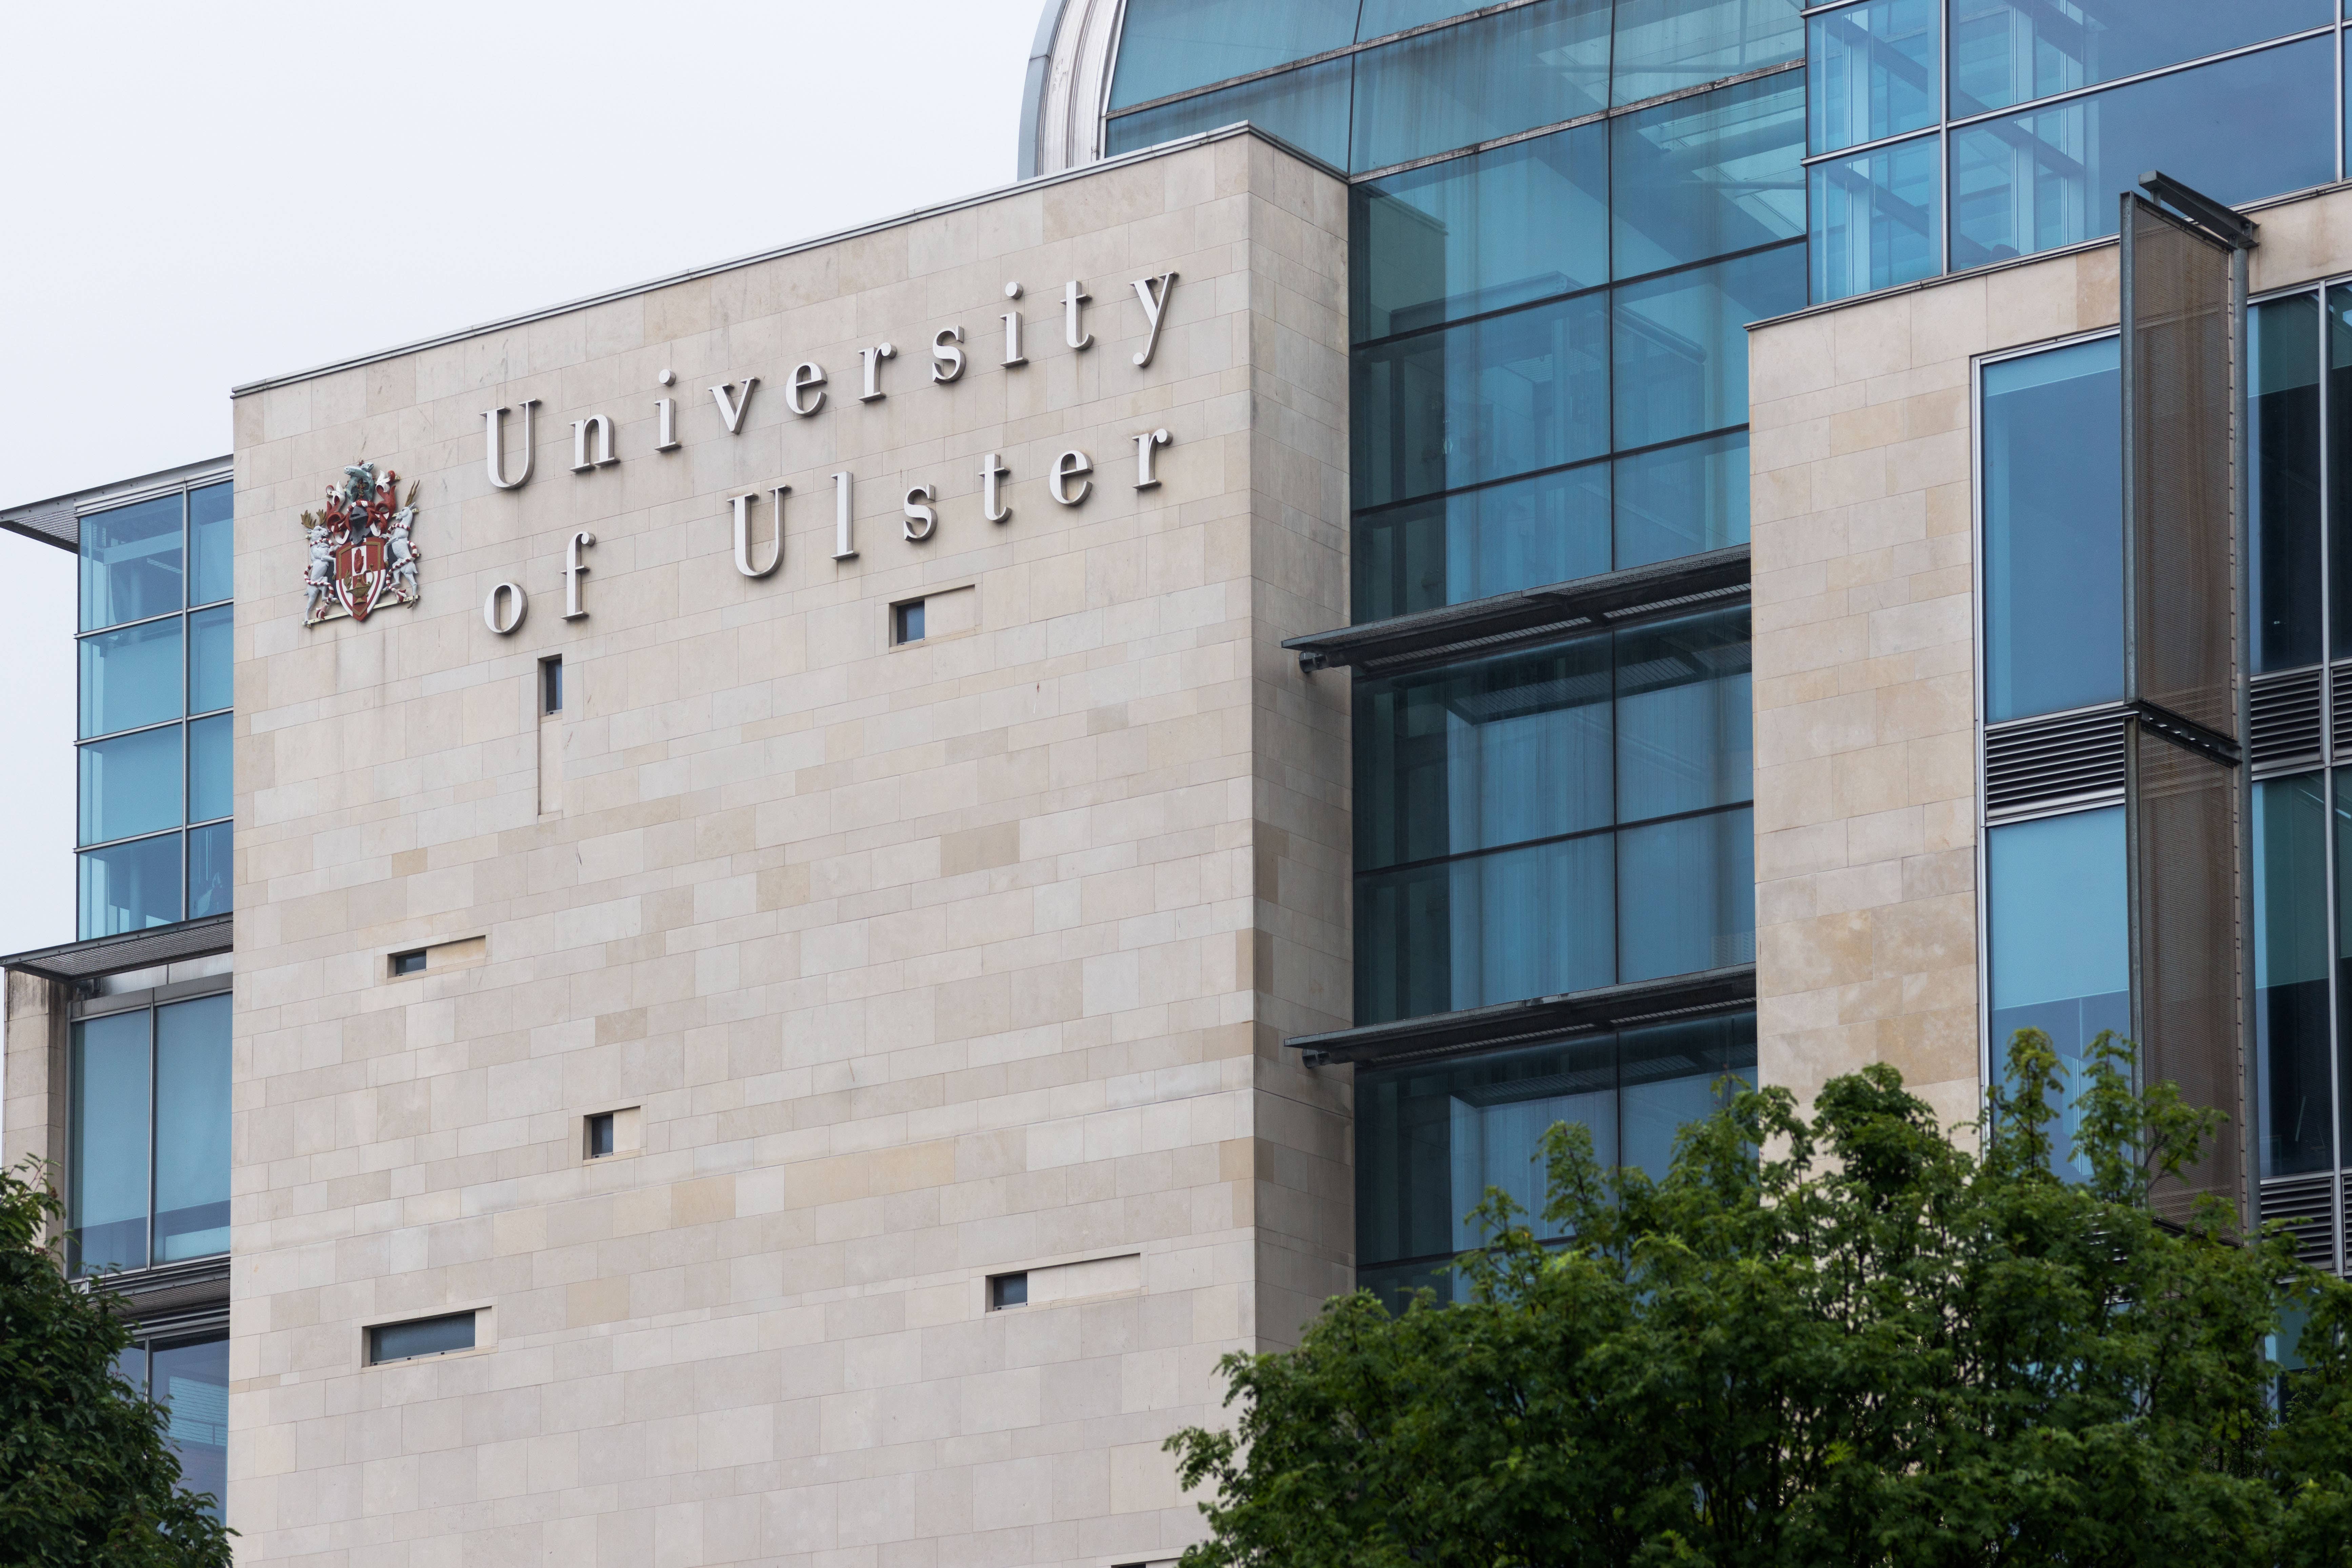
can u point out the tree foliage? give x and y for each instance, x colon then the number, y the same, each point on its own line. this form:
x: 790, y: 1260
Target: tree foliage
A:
x: 87, y: 1474
x: 1870, y: 1345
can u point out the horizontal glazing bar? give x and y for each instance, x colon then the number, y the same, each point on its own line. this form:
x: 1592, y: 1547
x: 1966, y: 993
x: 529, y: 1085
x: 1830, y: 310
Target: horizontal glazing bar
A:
x: 2019, y: 110
x: 134, y: 730
x: 1489, y: 850
x: 1389, y: 506
x: 133, y: 838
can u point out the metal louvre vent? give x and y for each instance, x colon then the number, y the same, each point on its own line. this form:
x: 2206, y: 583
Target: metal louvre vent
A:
x: 2284, y: 718
x: 2044, y: 762
x: 2342, y: 698
x: 2308, y: 1208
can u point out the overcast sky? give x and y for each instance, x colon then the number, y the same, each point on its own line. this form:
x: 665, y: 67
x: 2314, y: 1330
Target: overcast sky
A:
x: 193, y: 196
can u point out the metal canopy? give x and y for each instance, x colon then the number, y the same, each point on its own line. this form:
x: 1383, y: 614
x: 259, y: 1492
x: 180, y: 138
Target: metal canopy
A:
x: 78, y: 961
x: 1610, y: 598
x: 1540, y: 1018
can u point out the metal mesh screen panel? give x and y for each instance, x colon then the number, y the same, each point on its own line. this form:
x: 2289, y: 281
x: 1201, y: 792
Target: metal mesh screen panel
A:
x: 2180, y: 812
x: 2178, y: 565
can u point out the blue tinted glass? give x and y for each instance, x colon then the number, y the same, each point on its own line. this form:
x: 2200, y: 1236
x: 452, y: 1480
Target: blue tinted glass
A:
x: 130, y: 562
x: 1382, y: 18
x: 1873, y: 71
x: 2013, y: 51
x: 1877, y: 219
x: 129, y: 886
x: 2061, y: 956
x: 191, y: 1382
x: 2293, y: 1092
x: 192, y: 1129
x: 131, y: 785
x: 210, y: 883
x: 131, y: 677
x: 2343, y: 837
x: 1499, y: 927
x: 1495, y: 752
x: 1680, y: 500
x: 1686, y: 895
x: 1480, y: 542
x: 1674, y: 1075
x: 1703, y: 176
x: 2053, y: 531
x: 212, y: 655
x: 1169, y: 46
x: 1477, y: 234
x: 2237, y: 129
x: 107, y: 1198
x: 209, y: 782
x: 1664, y: 45
x: 1495, y: 76
x: 2284, y: 477
x: 212, y: 539
x: 1483, y: 400
x: 1684, y: 716
x: 431, y: 1336
x: 1681, y: 346
x: 1308, y: 108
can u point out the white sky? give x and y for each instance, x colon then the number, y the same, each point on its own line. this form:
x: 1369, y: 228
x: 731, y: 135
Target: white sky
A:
x: 193, y: 196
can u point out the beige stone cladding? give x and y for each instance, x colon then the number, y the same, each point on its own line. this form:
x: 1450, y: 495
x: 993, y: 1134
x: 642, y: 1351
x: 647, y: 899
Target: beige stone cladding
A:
x: 904, y: 966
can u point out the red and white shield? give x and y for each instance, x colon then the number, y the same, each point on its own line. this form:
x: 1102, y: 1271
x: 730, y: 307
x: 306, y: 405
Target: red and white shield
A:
x: 360, y: 575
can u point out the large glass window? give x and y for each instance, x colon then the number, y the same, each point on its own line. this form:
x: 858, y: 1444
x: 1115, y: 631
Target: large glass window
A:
x: 1554, y: 821
x: 190, y: 1379
x: 1873, y: 68
x: 2284, y: 482
x: 2013, y: 51
x: 150, y: 1179
x: 1474, y: 543
x: 1680, y: 343
x: 2238, y: 129
x: 1494, y: 77
x: 1665, y: 46
x: 1682, y: 500
x: 1430, y: 1140
x: 1169, y: 46
x: 1878, y: 219
x: 1704, y: 176
x: 2057, y: 918
x: 2053, y: 500
x: 2339, y: 456
x: 1308, y: 108
x: 2293, y: 1101
x: 144, y: 771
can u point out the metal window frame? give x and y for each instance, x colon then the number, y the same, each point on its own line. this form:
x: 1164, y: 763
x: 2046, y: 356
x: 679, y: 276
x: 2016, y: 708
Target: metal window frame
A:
x: 149, y: 1002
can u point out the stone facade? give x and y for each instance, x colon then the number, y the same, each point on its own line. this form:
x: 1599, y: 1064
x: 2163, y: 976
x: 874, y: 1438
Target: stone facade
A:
x: 906, y: 965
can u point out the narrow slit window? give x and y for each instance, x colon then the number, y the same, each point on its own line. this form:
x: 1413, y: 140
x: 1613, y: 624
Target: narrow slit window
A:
x: 1008, y: 1291
x: 409, y: 962
x: 551, y: 687
x: 906, y: 622
x: 600, y: 1135
x: 420, y: 1337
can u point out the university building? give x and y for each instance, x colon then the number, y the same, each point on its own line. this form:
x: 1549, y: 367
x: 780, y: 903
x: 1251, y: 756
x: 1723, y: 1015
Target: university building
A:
x: 751, y: 920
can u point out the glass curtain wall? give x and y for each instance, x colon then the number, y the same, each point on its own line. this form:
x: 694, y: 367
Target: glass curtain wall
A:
x: 189, y: 1378
x: 1946, y: 134
x: 148, y: 1139
x: 155, y: 670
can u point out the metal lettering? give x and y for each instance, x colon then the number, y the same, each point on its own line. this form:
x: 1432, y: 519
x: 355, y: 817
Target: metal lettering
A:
x: 992, y: 470
x: 1074, y: 334
x: 1153, y: 294
x: 573, y: 570
x: 666, y: 410
x: 517, y: 601
x: 580, y: 461
x: 947, y: 359
x: 743, y: 504
x: 919, y: 514
x: 1013, y: 355
x: 1145, y: 480
x: 495, y: 418
x: 732, y: 409
x: 1066, y: 467
x: 873, y: 358
x: 804, y: 376
x: 844, y: 536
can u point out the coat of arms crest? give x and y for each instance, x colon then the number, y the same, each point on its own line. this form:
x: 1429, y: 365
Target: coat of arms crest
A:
x: 361, y: 556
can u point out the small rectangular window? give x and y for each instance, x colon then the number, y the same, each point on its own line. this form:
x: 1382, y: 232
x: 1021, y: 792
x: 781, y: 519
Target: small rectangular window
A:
x: 600, y: 1135
x: 1008, y: 1291
x: 408, y: 963
x: 906, y: 622
x: 551, y: 686
x: 420, y: 1337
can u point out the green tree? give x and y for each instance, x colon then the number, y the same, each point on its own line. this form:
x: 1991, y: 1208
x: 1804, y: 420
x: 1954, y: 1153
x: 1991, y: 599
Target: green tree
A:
x: 1871, y: 1345
x: 87, y: 1474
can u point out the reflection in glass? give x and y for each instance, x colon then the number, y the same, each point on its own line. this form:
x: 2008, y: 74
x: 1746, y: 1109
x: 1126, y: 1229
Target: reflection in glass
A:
x: 191, y: 1382
x: 1494, y: 77
x: 2339, y: 456
x: 2293, y: 1092
x: 2343, y: 783
x: 1682, y: 500
x: 129, y: 886
x: 1476, y: 234
x: 1486, y: 400
x: 131, y: 677
x: 2060, y: 953
x: 1169, y: 46
x: 1498, y: 926
x: 1308, y: 108
x: 1872, y: 71
x: 2237, y: 129
x: 212, y: 655
x: 2013, y: 51
x: 130, y: 562
x: 131, y: 785
x: 108, y: 1193
x: 1664, y: 45
x: 208, y: 768
x: 1430, y: 1139
x: 1684, y: 717
x: 1708, y: 175
x: 192, y: 1123
x: 2053, y: 531
x: 1382, y: 18
x: 1681, y: 344
x: 1686, y: 895
x: 1478, y: 542
x: 212, y: 541
x: 209, y: 880
x: 2284, y: 482
x: 1877, y: 219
